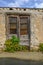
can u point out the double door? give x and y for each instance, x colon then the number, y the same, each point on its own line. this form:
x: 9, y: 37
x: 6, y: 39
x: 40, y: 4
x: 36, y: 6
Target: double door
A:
x: 19, y: 26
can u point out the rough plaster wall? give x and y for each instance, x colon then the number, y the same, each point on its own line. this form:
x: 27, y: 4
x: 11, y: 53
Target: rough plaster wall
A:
x: 36, y: 29
x: 2, y: 30
x: 42, y: 27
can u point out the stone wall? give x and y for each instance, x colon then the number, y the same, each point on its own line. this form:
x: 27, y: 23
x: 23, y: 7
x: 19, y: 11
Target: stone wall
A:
x: 2, y: 30
x: 36, y: 24
x: 36, y: 29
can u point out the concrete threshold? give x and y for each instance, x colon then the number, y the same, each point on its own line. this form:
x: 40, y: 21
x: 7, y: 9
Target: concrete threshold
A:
x: 38, y: 56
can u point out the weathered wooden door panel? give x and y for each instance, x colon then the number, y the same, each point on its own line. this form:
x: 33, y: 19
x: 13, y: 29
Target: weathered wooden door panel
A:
x: 24, y: 40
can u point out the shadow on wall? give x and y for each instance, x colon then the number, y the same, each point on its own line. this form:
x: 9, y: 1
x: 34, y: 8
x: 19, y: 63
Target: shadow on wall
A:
x: 15, y: 61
